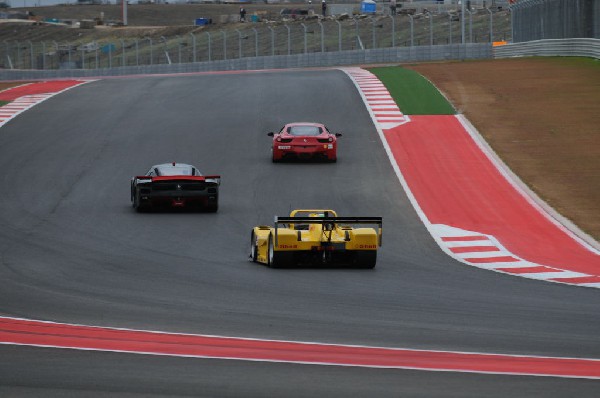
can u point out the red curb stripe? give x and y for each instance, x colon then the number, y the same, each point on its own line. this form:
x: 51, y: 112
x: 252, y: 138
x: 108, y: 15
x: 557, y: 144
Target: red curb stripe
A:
x: 37, y: 88
x: 579, y: 279
x: 28, y: 332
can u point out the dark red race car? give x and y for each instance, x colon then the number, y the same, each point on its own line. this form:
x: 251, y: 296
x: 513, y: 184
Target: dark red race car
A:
x: 304, y: 141
x: 175, y: 185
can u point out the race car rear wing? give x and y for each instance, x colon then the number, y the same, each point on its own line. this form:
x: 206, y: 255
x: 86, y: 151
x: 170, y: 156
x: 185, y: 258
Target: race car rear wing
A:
x: 214, y: 179
x: 329, y: 222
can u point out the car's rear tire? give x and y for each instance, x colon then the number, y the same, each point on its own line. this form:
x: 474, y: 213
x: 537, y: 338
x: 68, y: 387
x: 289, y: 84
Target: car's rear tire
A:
x: 277, y: 259
x: 136, y: 203
x: 365, y: 259
x: 212, y: 208
x: 253, y: 247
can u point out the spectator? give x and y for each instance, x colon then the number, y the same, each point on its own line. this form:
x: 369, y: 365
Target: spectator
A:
x: 242, y: 14
x: 393, y: 7
x: 324, y: 7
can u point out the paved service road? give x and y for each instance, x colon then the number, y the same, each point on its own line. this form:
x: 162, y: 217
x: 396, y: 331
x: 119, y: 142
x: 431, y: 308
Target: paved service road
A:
x: 73, y: 250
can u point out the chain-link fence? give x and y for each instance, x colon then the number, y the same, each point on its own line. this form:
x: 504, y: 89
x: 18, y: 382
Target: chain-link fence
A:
x: 555, y: 19
x: 218, y: 43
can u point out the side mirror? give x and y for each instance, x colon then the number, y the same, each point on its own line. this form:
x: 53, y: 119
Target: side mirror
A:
x: 271, y: 134
x: 338, y: 134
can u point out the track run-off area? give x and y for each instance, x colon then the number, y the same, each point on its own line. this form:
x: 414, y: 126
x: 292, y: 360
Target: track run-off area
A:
x: 75, y: 254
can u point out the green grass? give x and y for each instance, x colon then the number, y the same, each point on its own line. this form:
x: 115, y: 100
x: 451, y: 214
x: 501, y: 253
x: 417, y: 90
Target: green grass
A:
x: 413, y: 94
x: 2, y: 103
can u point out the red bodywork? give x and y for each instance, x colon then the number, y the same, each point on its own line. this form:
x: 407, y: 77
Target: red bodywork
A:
x: 322, y: 146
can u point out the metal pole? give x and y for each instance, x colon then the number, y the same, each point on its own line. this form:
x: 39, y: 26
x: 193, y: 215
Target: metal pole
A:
x: 373, y: 32
x: 193, y: 47
x: 431, y: 29
x: 224, y: 44
x: 137, y: 52
x: 305, y: 44
x: 179, y: 44
x: 82, y: 58
x: 43, y: 55
x: 462, y: 21
x: 322, y: 36
x: 491, y: 25
x: 123, y: 57
x: 339, y: 35
x: 31, y: 53
x: 412, y: 30
x: 18, y: 54
x: 272, y: 40
x: 450, y: 28
x: 209, y: 47
x: 96, y: 47
x: 470, y: 26
x: 166, y: 49
x: 255, y: 42
x: 393, y: 30
x: 289, y: 40
x: 239, y: 43
x: 56, y: 52
x: 110, y: 46
x: 151, y: 51
x: 357, y: 33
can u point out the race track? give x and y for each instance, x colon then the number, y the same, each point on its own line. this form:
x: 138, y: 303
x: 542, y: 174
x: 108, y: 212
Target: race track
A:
x: 73, y: 250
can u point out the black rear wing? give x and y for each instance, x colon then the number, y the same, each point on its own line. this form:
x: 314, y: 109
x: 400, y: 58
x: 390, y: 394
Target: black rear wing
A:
x: 378, y: 221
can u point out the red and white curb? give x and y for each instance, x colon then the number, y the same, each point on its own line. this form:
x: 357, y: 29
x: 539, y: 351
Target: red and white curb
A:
x: 469, y: 247
x: 379, y: 102
x: 27, y: 332
x: 484, y: 251
x: 21, y: 104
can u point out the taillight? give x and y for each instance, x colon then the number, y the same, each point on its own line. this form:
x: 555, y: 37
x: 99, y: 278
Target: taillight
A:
x: 330, y: 139
x: 278, y: 139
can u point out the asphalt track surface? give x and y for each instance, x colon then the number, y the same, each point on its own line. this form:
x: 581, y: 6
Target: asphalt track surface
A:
x: 73, y: 250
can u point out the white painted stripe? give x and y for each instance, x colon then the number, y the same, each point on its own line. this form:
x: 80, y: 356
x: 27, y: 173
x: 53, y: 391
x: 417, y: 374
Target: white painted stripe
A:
x: 462, y: 243
x: 388, y: 113
x: 500, y: 253
x: 596, y: 284
x: 381, y: 102
x: 550, y: 275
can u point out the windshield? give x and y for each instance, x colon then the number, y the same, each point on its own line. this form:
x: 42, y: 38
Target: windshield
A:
x: 304, y: 130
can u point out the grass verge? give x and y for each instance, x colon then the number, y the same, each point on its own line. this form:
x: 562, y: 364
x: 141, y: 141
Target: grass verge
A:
x: 413, y: 93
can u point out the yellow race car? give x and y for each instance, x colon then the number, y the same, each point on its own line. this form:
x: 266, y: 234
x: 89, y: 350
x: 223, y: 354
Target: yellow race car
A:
x: 317, y: 237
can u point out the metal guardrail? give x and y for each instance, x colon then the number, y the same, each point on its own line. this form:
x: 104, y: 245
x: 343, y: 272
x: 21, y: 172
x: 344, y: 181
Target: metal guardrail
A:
x: 307, y: 60
x: 580, y: 47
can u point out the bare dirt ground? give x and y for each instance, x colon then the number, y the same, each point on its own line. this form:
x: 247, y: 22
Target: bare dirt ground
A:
x: 541, y: 116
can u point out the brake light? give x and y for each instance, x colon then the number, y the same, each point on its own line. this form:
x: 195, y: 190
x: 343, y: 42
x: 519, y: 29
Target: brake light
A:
x: 330, y: 139
x: 278, y: 139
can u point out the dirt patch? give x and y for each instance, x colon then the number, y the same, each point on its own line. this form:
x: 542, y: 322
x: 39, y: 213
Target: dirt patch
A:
x: 541, y: 117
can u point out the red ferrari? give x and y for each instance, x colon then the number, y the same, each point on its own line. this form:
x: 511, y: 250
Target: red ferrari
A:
x: 304, y: 141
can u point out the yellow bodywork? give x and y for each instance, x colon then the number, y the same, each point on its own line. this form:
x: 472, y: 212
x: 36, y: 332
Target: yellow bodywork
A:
x: 318, y: 239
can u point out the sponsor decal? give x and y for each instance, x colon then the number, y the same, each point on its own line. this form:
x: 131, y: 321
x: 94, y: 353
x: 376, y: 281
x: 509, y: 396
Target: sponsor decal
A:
x: 287, y: 246
x: 367, y: 246
x: 284, y: 147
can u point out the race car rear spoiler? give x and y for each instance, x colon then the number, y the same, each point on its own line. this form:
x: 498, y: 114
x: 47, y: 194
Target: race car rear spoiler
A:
x: 331, y: 221
x: 216, y: 179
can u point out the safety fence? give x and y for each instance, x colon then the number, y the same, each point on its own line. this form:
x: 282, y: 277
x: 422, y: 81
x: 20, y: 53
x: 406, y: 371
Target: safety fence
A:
x: 551, y: 47
x: 218, y: 43
x: 304, y: 60
x: 555, y: 19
